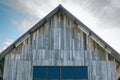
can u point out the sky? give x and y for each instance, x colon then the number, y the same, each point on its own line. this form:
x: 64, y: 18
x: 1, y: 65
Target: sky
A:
x: 101, y: 16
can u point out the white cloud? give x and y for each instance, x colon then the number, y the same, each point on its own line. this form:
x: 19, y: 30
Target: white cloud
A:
x: 35, y: 8
x: 24, y: 25
x: 7, y: 43
x: 110, y: 35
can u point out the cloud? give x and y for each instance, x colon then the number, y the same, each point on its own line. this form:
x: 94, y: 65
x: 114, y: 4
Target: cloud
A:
x: 35, y: 8
x: 7, y: 43
x: 24, y: 25
x: 111, y: 36
x: 101, y: 12
x: 38, y: 9
x: 115, y: 3
x: 110, y: 18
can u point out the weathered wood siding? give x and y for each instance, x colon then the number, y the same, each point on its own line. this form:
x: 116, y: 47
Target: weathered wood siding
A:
x: 59, y: 42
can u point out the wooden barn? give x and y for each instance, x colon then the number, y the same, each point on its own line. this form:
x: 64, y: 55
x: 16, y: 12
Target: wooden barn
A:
x: 59, y: 47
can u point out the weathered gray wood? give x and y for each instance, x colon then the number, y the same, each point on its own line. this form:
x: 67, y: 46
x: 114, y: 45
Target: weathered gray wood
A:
x: 23, y: 70
x: 46, y: 38
x: 64, y: 30
x: 59, y: 31
x: 59, y: 42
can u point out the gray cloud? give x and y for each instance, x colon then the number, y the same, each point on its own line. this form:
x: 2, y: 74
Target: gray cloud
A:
x: 110, y: 18
x: 105, y: 11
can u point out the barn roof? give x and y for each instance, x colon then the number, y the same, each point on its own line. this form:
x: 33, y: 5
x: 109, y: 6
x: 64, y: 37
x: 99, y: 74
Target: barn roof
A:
x: 83, y: 27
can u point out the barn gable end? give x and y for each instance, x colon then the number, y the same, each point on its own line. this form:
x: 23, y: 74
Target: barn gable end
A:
x: 60, y: 39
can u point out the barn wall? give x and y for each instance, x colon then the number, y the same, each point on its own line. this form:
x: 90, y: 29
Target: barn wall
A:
x: 59, y: 42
